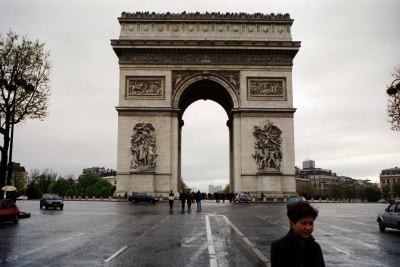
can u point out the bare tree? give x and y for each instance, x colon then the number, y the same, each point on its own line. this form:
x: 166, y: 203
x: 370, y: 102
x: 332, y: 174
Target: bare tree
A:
x: 393, y: 107
x: 24, y: 90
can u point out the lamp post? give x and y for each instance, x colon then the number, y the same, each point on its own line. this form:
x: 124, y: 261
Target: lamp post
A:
x: 394, y: 87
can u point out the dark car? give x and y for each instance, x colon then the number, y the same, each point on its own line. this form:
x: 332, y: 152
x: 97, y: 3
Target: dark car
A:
x: 390, y: 218
x: 293, y: 200
x: 143, y: 197
x: 51, y: 200
x: 9, y: 211
x: 242, y: 198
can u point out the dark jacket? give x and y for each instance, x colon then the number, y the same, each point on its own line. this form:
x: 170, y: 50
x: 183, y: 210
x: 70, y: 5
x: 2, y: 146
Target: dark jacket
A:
x: 292, y: 251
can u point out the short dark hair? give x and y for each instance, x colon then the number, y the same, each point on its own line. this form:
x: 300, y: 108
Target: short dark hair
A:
x: 300, y: 210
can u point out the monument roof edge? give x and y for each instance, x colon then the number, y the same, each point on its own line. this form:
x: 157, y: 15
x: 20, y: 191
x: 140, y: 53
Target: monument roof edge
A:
x: 207, y: 16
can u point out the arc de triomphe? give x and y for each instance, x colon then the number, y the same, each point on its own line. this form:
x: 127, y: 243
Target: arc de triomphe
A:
x: 241, y: 61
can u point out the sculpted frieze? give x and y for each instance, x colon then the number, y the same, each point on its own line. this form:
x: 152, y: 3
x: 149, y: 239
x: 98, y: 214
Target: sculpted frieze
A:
x: 232, y: 78
x: 266, y: 88
x: 205, y: 57
x: 267, y: 148
x: 143, y: 148
x: 145, y: 87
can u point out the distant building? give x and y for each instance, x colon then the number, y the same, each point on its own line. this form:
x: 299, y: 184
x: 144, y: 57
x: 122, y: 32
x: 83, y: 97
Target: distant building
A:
x: 100, y: 171
x: 321, y: 179
x: 387, y: 179
x: 308, y: 164
x: 212, y: 189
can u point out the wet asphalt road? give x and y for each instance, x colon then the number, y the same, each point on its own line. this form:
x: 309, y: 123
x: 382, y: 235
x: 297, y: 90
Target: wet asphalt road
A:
x: 89, y: 233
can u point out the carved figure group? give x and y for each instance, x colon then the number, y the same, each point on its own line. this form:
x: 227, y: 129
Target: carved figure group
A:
x: 143, y: 147
x: 267, y: 147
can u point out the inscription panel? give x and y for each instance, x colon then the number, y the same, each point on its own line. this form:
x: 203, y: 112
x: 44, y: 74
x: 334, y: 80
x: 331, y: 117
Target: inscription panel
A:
x: 151, y: 87
x: 265, y: 88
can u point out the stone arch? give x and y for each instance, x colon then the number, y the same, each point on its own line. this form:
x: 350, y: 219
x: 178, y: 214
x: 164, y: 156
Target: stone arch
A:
x: 249, y: 73
x: 205, y: 85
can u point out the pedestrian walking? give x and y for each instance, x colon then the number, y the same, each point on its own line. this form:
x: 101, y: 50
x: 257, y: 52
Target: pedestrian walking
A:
x: 198, y: 199
x: 298, y: 248
x: 189, y: 199
x: 182, y: 198
x: 171, y: 199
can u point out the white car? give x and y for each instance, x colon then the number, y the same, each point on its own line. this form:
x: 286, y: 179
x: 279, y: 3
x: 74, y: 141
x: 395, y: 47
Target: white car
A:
x: 22, y: 198
x: 390, y: 218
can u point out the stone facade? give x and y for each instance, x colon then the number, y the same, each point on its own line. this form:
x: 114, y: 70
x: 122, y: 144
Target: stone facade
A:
x: 388, y: 178
x: 241, y: 61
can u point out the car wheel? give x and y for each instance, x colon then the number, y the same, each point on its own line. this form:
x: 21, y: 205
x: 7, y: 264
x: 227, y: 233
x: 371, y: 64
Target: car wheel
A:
x: 237, y: 201
x: 153, y: 201
x: 248, y: 201
x: 16, y: 218
x: 381, y: 226
x: 46, y: 207
x: 61, y: 207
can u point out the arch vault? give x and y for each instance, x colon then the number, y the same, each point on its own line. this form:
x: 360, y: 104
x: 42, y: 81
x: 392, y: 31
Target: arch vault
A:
x: 241, y: 61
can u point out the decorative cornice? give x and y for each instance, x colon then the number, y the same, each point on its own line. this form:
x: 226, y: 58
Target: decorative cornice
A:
x: 270, y: 112
x: 125, y: 43
x: 203, y: 16
x: 205, y: 57
x: 147, y: 111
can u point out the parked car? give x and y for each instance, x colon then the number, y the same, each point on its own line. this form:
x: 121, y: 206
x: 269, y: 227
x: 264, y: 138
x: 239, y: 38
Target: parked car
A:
x: 51, y: 200
x: 242, y: 198
x: 22, y: 198
x: 293, y: 200
x: 143, y: 197
x: 9, y: 211
x: 390, y: 217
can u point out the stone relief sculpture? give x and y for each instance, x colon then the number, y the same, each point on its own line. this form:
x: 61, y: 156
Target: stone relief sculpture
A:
x: 143, y: 147
x: 230, y: 77
x: 266, y: 88
x: 267, y: 147
x: 144, y: 86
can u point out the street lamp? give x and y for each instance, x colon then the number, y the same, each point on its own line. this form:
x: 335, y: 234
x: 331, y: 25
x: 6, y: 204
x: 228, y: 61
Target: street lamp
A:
x: 394, y: 87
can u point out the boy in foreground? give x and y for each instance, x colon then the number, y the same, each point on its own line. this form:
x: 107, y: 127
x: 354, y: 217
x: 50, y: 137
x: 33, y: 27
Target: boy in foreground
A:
x: 298, y: 248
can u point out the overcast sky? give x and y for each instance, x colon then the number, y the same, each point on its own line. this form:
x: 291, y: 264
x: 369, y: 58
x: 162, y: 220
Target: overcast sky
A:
x: 348, y: 52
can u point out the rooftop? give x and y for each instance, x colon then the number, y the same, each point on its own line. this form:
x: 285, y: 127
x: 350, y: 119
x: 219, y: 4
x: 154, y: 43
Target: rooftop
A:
x: 206, y: 16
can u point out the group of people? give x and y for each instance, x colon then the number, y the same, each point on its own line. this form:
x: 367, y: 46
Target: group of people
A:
x: 297, y: 248
x: 186, y: 197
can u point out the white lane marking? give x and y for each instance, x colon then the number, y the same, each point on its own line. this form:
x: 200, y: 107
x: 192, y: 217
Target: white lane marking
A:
x: 80, y: 234
x: 137, y: 239
x: 187, y: 241
x: 20, y: 234
x: 152, y: 228
x: 255, y: 250
x: 63, y: 240
x: 365, y: 224
x: 340, y: 228
x: 34, y: 250
x: 341, y: 250
x: 210, y: 243
x: 286, y: 227
x: 116, y: 254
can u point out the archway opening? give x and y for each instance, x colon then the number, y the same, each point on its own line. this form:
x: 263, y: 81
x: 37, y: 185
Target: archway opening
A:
x: 205, y: 136
x: 205, y: 147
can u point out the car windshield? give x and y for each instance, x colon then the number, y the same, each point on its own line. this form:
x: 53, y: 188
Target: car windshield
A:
x: 52, y: 197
